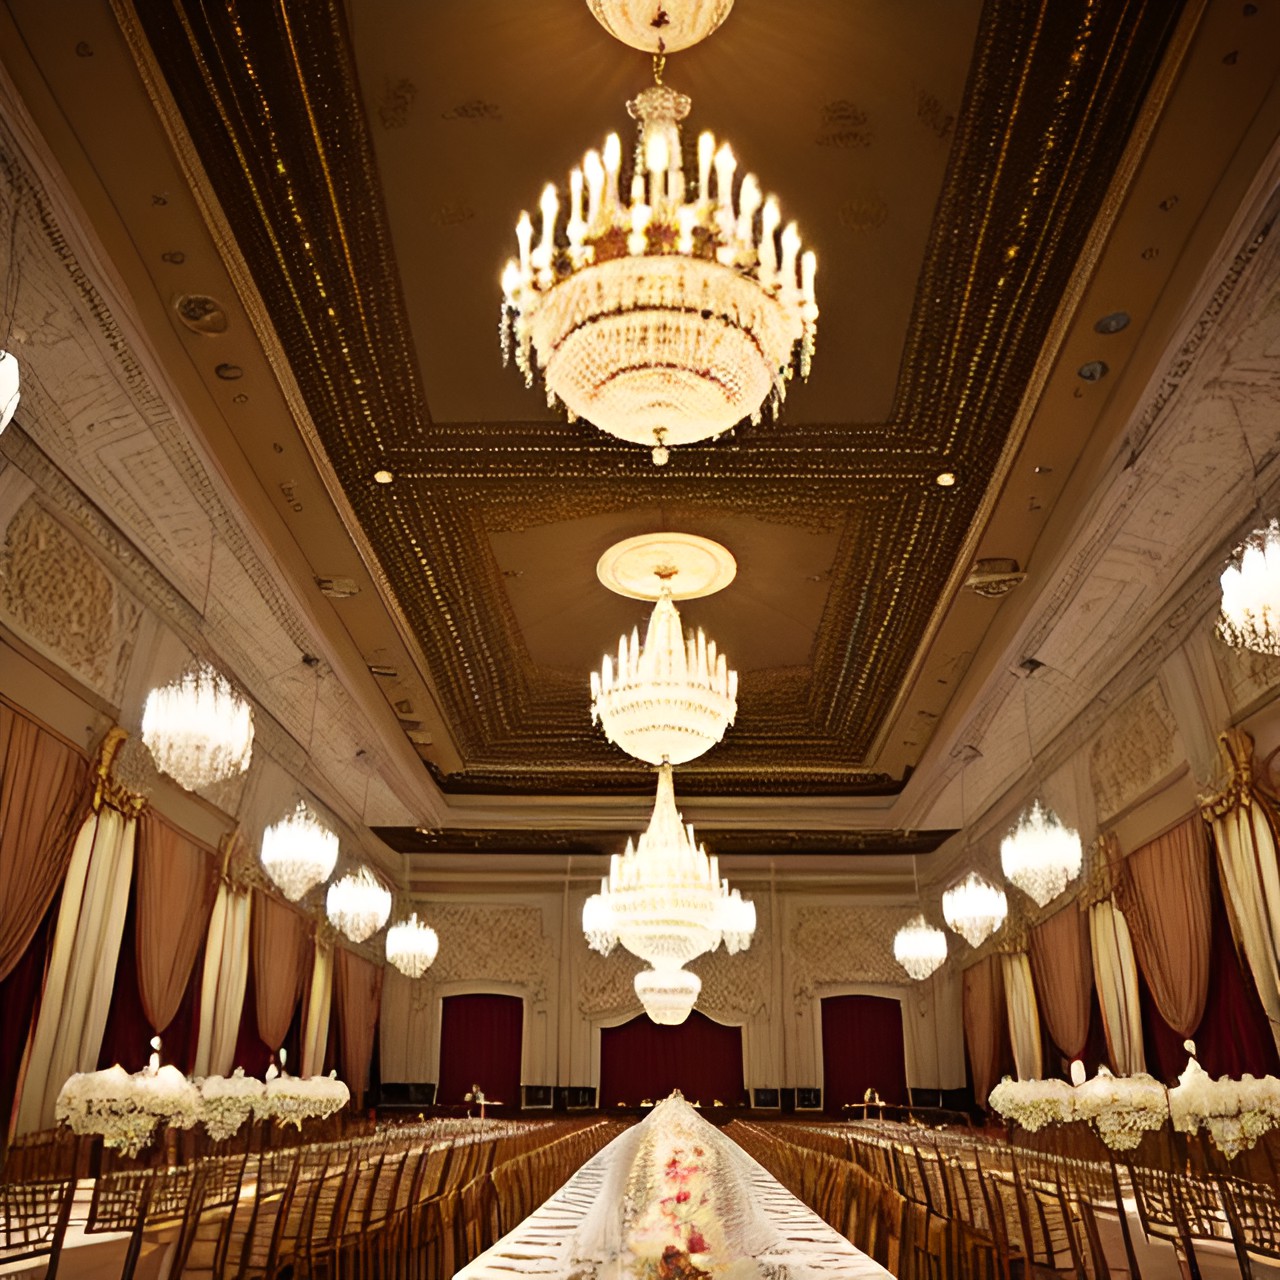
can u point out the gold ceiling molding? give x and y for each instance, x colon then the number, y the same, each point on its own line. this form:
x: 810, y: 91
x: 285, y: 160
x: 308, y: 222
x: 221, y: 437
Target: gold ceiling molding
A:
x: 1026, y: 202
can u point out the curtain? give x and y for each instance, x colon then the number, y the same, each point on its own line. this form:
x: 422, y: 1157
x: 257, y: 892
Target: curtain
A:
x: 1063, y: 977
x: 177, y: 882
x: 1245, y: 840
x: 639, y: 1059
x: 43, y: 795
x: 481, y: 1039
x: 316, y: 1009
x: 19, y: 1006
x: 404, y: 1030
x: 1116, y: 973
x: 1164, y: 892
x: 358, y: 989
x: 1024, y: 1016
x: 281, y: 963
x: 984, y: 1021
x: 226, y: 970
x: 82, y: 966
x: 862, y: 1048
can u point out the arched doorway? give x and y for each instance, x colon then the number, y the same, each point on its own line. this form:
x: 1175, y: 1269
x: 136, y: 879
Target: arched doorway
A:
x: 862, y: 1048
x: 701, y: 1057
x: 481, y: 1042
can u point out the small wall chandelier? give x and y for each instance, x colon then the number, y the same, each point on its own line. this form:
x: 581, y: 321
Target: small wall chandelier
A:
x: 664, y: 901
x: 919, y: 947
x: 1041, y: 855
x: 974, y: 908
x: 412, y: 946
x: 198, y: 729
x: 1250, y: 617
x: 358, y: 905
x: 299, y: 852
x: 672, y: 698
x: 667, y: 314
x: 9, y: 382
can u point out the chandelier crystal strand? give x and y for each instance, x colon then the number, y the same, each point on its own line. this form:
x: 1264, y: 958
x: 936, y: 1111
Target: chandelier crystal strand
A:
x: 974, y: 908
x: 358, y: 905
x: 1041, y: 855
x: 919, y: 947
x: 412, y: 946
x: 667, y: 313
x: 299, y: 852
x: 1250, y: 616
x: 672, y: 698
x: 198, y: 729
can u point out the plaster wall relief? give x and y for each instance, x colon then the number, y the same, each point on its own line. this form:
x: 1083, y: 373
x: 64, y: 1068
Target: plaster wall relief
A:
x: 1246, y: 676
x: 1138, y: 748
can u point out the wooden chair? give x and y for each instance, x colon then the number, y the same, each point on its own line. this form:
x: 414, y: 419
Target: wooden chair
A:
x: 1253, y: 1210
x: 33, y: 1220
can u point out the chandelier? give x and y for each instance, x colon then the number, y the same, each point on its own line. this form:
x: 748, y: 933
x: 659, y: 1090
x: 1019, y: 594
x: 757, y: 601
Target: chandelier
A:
x: 662, y: 309
x: 8, y: 388
x: 299, y: 852
x: 1041, y: 855
x: 660, y: 28
x: 198, y: 729
x: 974, y: 908
x: 919, y: 948
x: 358, y: 905
x: 412, y: 946
x: 1250, y: 617
x: 664, y: 901
x: 668, y: 995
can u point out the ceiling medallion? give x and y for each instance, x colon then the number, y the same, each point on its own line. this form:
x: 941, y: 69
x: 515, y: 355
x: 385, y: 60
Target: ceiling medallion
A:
x: 994, y: 578
x: 919, y: 947
x: 198, y: 730
x: 1041, y: 855
x: 660, y: 26
x: 672, y: 699
x: 974, y: 908
x: 1250, y: 617
x: 670, y: 316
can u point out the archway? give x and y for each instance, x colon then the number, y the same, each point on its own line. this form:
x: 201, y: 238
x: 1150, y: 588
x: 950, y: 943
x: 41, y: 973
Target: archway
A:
x: 862, y: 1048
x: 481, y: 1041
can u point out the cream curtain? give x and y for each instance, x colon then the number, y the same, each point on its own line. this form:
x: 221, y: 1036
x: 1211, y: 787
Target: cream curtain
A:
x: 359, y: 991
x: 1024, y: 1016
x: 1244, y: 836
x: 315, y: 1006
x: 226, y: 971
x: 1115, y: 973
x: 82, y: 965
x: 281, y: 964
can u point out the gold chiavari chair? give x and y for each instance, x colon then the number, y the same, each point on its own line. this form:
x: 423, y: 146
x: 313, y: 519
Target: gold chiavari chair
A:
x: 33, y: 1220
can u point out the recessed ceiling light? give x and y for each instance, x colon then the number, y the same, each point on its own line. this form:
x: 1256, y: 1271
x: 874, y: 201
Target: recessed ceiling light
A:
x: 1093, y: 370
x: 945, y: 479
x: 383, y: 476
x: 1112, y: 323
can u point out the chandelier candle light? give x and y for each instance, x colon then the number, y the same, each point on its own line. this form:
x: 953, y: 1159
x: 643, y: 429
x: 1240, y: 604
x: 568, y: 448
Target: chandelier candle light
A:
x: 299, y: 852
x: 412, y: 946
x: 974, y: 908
x: 666, y: 311
x: 919, y: 947
x: 198, y: 729
x: 358, y: 905
x: 1250, y: 617
x: 1041, y: 855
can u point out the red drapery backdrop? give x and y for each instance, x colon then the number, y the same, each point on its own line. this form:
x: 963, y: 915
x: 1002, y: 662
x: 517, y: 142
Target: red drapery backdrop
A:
x: 19, y: 1003
x: 481, y: 1037
x: 862, y: 1048
x: 701, y: 1057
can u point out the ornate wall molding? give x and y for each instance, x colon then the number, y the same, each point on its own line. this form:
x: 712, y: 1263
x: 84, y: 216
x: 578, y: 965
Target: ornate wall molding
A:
x: 495, y: 943
x: 1137, y: 748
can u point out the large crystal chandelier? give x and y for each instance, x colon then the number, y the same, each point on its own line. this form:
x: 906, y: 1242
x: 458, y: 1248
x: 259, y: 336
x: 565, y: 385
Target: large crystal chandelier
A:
x: 1041, y: 855
x: 412, y: 946
x: 9, y: 381
x: 974, y: 908
x: 198, y: 729
x: 667, y: 309
x: 358, y: 905
x: 664, y: 901
x: 919, y: 947
x: 1250, y: 617
x: 299, y: 852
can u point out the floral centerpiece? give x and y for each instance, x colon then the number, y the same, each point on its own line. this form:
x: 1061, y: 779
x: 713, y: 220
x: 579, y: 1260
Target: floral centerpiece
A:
x: 226, y: 1102
x: 293, y: 1099
x: 126, y: 1109
x: 1235, y: 1113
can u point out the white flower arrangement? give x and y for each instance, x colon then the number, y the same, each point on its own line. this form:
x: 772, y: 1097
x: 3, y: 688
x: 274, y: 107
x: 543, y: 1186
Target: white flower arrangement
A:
x: 291, y: 1099
x: 1236, y: 1113
x: 226, y: 1102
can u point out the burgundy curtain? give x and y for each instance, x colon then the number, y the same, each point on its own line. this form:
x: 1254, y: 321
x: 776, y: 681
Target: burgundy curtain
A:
x: 19, y: 1004
x: 281, y: 965
x: 985, y: 1025
x: 481, y: 1037
x: 175, y: 884
x: 358, y: 994
x: 1062, y: 967
x: 701, y: 1057
x: 862, y: 1048
x: 1164, y: 893
x: 43, y: 800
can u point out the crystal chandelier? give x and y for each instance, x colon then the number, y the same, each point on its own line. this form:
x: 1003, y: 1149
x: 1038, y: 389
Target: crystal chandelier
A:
x: 358, y: 905
x: 299, y: 852
x: 1250, y: 617
x: 668, y: 995
x: 919, y: 948
x: 974, y: 908
x: 660, y: 27
x: 671, y: 699
x: 1041, y: 855
x: 672, y: 314
x: 198, y: 729
x: 8, y: 388
x: 412, y: 946
x: 663, y: 899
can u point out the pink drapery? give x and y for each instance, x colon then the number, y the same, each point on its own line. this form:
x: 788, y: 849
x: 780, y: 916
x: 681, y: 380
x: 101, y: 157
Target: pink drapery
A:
x: 1063, y: 972
x: 281, y: 965
x: 1164, y: 892
x: 358, y: 987
x: 43, y: 801
x: 176, y: 884
x: 984, y: 1023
